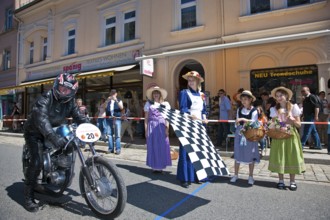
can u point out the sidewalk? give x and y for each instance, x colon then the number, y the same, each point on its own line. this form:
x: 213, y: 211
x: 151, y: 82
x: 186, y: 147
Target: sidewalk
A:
x: 317, y: 161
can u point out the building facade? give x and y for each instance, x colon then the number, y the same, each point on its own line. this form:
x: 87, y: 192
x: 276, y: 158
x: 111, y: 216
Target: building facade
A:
x: 256, y: 45
x: 8, y: 51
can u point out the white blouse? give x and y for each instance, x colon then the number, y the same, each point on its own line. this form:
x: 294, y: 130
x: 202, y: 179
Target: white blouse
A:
x: 295, y: 111
x: 155, y: 105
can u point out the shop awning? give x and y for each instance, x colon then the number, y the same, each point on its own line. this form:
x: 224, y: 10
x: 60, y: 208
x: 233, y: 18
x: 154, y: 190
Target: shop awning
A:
x: 82, y: 75
x: 299, y: 36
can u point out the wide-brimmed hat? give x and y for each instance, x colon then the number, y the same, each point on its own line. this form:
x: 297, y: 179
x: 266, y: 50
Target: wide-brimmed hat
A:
x: 193, y: 74
x: 154, y: 88
x: 290, y: 94
x: 247, y: 93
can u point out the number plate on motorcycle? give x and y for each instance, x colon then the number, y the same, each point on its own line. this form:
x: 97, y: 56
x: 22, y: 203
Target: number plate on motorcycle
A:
x: 88, y: 132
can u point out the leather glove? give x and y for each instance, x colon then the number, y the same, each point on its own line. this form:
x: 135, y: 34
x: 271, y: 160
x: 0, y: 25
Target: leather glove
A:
x: 58, y: 142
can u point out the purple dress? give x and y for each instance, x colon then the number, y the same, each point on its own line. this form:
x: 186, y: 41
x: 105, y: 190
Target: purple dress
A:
x: 158, y: 145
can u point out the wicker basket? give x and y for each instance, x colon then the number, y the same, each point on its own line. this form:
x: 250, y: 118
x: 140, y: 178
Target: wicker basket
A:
x: 174, y: 154
x: 254, y: 134
x: 278, y: 134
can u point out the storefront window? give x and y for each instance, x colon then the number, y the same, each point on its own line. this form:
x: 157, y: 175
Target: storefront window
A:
x: 293, y: 78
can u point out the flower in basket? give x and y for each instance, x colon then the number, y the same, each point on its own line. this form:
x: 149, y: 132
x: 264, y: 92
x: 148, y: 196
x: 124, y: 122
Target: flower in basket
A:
x: 279, y: 125
x: 253, y: 131
x: 278, y: 129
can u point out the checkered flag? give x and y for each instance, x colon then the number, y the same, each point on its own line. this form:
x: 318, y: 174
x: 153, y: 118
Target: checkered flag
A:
x: 193, y: 137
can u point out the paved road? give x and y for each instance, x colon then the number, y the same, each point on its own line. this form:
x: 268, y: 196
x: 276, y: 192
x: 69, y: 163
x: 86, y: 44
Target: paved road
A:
x: 152, y: 196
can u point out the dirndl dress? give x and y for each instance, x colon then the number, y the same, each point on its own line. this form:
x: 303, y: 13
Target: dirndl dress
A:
x: 286, y: 155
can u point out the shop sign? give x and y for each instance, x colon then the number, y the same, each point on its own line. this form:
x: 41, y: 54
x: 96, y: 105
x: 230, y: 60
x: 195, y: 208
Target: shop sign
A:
x: 290, y: 77
x: 95, y: 63
x: 147, y: 67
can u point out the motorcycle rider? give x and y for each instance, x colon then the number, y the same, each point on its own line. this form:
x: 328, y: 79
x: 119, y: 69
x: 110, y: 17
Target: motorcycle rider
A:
x: 50, y: 110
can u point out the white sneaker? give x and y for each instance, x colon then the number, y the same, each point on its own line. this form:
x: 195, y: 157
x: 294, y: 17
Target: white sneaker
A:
x: 233, y: 179
x: 250, y: 180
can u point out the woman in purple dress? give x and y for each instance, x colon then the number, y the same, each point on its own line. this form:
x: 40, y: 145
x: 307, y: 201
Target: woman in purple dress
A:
x: 156, y: 130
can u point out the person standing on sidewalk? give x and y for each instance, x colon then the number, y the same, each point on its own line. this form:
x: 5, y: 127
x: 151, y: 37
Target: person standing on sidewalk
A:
x: 224, y: 114
x: 310, y: 113
x: 323, y: 117
x: 191, y: 102
x: 101, y: 120
x: 157, y: 130
x: 126, y: 124
x: 114, y: 110
x: 286, y: 155
x: 245, y: 151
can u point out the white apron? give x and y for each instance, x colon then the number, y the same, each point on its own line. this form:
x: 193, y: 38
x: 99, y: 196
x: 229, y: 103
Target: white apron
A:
x: 197, y: 104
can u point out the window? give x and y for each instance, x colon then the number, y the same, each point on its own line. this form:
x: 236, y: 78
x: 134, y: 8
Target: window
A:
x: 9, y: 19
x: 188, y: 14
x: 258, y: 6
x: 129, y: 26
x: 71, y: 41
x: 31, y: 52
x: 297, y: 2
x: 110, y: 31
x: 6, y: 60
x: 44, y: 49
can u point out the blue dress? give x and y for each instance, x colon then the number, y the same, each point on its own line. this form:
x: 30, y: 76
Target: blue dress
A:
x: 245, y: 152
x: 185, y: 169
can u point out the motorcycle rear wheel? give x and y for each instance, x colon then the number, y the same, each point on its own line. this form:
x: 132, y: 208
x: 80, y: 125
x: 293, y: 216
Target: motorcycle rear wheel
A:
x: 109, y: 200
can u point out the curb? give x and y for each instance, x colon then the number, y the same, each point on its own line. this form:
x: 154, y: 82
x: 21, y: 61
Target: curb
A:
x: 308, y: 160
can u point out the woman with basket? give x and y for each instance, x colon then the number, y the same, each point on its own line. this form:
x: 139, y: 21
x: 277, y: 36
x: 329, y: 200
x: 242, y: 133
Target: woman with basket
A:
x: 286, y: 154
x: 245, y: 151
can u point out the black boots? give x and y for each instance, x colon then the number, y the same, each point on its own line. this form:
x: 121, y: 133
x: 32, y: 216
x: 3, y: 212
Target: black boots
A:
x: 29, y: 203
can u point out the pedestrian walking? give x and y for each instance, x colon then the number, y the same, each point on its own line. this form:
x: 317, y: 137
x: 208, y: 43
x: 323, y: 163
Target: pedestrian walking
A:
x: 224, y: 114
x: 15, y: 114
x: 101, y: 119
x: 157, y: 130
x: 245, y: 151
x: 191, y: 101
x: 286, y: 155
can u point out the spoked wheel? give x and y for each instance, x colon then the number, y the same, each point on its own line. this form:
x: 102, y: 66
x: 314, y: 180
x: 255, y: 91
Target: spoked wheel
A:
x: 108, y: 200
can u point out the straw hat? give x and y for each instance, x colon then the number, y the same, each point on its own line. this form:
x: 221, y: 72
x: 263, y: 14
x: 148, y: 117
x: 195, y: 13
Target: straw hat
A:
x: 193, y: 74
x: 247, y: 93
x: 154, y: 88
x: 290, y: 94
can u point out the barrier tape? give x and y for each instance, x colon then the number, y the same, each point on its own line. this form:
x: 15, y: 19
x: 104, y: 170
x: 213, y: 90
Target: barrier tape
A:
x: 210, y: 120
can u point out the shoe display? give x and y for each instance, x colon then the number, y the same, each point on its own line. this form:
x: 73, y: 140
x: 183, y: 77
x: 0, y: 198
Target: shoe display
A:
x: 234, y: 179
x: 250, y: 180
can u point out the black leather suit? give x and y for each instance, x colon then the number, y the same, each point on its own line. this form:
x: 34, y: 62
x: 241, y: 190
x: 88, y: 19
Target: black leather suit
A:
x: 46, y: 113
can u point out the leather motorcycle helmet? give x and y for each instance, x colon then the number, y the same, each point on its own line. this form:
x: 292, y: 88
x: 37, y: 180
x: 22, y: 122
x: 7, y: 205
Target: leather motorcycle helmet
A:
x: 65, y: 87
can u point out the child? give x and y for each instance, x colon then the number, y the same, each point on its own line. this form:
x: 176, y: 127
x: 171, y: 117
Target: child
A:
x: 262, y: 118
x: 286, y: 155
x: 245, y: 151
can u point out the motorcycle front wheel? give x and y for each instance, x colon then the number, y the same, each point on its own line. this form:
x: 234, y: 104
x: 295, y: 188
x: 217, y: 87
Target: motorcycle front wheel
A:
x: 108, y: 199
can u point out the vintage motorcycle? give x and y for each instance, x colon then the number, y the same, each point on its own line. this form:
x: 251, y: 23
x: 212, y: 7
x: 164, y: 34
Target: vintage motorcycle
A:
x: 100, y: 182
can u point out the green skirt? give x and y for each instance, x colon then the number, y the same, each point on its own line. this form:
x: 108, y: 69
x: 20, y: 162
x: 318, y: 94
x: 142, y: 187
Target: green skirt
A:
x: 286, y: 155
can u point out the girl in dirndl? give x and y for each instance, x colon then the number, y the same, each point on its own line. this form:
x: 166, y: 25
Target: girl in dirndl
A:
x: 286, y: 155
x: 245, y: 151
